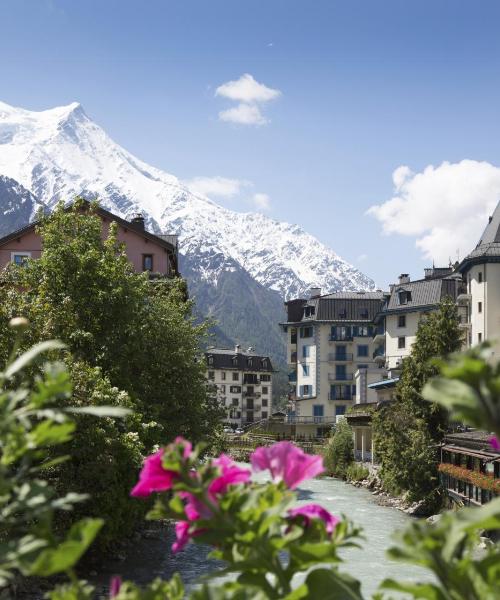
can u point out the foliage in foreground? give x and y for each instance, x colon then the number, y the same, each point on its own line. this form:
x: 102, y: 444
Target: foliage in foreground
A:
x: 257, y: 529
x: 406, y: 430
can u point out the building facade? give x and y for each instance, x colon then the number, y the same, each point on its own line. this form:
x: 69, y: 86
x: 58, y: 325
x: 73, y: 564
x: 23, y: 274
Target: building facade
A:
x: 243, y: 384
x: 157, y: 254
x: 329, y: 340
x: 480, y: 298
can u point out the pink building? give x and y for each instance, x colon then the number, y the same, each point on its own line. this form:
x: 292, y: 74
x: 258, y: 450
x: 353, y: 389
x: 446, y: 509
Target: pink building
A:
x: 146, y: 251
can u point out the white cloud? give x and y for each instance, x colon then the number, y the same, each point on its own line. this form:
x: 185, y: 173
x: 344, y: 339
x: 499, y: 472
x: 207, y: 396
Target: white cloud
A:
x: 247, y: 89
x: 220, y: 187
x: 446, y: 207
x: 362, y: 257
x: 262, y: 201
x: 250, y: 96
x: 245, y: 114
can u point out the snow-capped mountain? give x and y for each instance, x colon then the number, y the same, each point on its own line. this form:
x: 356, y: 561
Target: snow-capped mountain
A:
x: 18, y: 206
x: 59, y: 153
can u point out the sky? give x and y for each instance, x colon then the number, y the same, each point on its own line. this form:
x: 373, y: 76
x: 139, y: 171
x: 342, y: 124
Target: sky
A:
x: 372, y: 124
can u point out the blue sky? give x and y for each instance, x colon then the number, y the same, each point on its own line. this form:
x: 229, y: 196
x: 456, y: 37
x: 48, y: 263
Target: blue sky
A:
x: 366, y: 88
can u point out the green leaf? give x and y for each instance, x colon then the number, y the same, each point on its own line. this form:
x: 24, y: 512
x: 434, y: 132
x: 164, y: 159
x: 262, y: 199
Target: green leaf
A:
x: 28, y: 357
x: 48, y: 433
x: 69, y: 552
x: 422, y: 591
x: 330, y: 584
x: 101, y: 411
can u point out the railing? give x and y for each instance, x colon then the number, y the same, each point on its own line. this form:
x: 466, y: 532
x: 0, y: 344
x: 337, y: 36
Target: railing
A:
x: 252, y: 394
x: 379, y: 330
x: 341, y: 338
x: 253, y: 407
x: 308, y: 420
x: 340, y: 377
x: 342, y: 357
x: 340, y: 396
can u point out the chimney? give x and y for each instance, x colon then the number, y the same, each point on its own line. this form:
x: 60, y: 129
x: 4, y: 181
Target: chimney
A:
x: 237, y: 348
x: 314, y: 292
x: 404, y: 278
x: 138, y: 221
x: 250, y: 349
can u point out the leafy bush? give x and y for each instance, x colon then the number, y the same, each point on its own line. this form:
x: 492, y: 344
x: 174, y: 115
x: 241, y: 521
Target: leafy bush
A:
x: 339, y: 452
x: 357, y: 472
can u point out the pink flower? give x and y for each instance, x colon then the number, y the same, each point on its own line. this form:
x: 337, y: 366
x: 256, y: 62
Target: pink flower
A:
x: 194, y: 508
x: 287, y: 463
x: 153, y: 477
x: 116, y: 584
x: 315, y: 511
x: 188, y: 447
x: 495, y: 442
x: 231, y: 474
x: 182, y: 535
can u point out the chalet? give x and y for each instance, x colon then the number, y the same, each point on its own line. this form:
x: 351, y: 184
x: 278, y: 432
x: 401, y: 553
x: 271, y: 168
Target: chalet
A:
x: 157, y: 254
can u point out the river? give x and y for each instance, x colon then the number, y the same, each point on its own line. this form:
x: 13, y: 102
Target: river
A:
x: 152, y: 558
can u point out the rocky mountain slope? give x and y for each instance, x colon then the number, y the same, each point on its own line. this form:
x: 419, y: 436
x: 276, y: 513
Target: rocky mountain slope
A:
x: 240, y: 266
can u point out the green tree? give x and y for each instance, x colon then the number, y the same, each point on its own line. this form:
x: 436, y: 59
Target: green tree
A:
x: 407, y: 431
x: 131, y: 342
x: 339, y: 453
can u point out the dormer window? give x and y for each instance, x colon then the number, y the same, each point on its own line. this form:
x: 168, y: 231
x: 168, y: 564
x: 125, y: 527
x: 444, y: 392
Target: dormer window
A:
x: 235, y: 361
x: 309, y: 311
x: 404, y: 296
x: 264, y: 363
x: 210, y: 360
x: 250, y: 362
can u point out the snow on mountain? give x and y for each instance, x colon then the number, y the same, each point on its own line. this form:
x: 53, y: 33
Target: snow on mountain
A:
x: 59, y: 153
x: 18, y: 206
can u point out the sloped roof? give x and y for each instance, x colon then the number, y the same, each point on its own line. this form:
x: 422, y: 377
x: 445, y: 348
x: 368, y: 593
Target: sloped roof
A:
x: 488, y: 247
x: 424, y: 292
x: 225, y: 358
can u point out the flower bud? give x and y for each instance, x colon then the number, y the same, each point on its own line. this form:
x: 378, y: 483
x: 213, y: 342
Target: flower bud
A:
x: 19, y: 323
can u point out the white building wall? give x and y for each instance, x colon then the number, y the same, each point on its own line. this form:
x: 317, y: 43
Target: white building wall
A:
x: 393, y: 353
x: 492, y: 304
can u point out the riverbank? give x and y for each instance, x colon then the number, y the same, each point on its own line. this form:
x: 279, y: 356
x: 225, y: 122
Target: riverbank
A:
x: 373, y: 484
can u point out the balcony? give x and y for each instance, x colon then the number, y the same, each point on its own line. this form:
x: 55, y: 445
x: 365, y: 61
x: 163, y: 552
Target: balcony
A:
x: 379, y: 335
x: 464, y: 298
x: 339, y: 357
x: 341, y: 338
x: 251, y: 394
x: 254, y: 407
x: 344, y: 396
x: 311, y: 420
x: 379, y: 354
x: 340, y: 377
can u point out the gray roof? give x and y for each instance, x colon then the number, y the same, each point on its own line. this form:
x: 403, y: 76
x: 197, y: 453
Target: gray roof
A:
x: 488, y: 247
x: 424, y: 292
x: 226, y: 358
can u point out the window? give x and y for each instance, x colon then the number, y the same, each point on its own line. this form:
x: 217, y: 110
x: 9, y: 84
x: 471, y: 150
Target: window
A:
x: 363, y: 313
x: 265, y: 377
x: 305, y: 370
x: 340, y: 392
x: 479, y: 338
x: 211, y: 375
x: 363, y: 350
x: 309, y: 311
x: 147, y: 262
x: 250, y: 391
x: 223, y: 389
x: 264, y: 401
x: 236, y: 376
x: 223, y: 375
x: 235, y: 401
x: 479, y: 307
x: 250, y: 362
x: 318, y: 412
x: 305, y: 390
x: 306, y: 351
x: 362, y: 366
x: 264, y: 414
x: 306, y: 332
x: 235, y: 389
x: 401, y: 342
x: 265, y: 363
x: 20, y: 258
x: 340, y: 372
x: 404, y: 296
x: 340, y: 409
x: 293, y: 336
x: 210, y: 360
x: 265, y: 390
x: 362, y: 331
x: 402, y: 321
x: 480, y: 277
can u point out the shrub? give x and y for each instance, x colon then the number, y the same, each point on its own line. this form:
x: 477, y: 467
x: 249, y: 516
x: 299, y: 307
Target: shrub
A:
x: 357, y: 472
x: 339, y: 452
